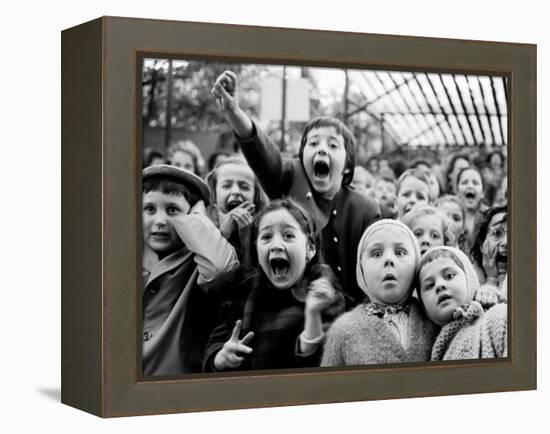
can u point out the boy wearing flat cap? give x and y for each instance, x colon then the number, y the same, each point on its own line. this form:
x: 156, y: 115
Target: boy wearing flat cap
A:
x: 182, y: 251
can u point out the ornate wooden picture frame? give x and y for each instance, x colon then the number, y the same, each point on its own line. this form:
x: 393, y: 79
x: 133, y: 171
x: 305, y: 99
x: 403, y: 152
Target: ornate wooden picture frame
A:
x: 101, y: 221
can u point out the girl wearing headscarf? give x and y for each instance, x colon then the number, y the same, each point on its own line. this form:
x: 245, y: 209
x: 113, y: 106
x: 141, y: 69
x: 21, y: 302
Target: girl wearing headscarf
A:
x: 447, y: 286
x: 391, y: 326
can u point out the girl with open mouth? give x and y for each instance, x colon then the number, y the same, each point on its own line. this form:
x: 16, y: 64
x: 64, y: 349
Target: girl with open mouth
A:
x: 469, y: 187
x: 237, y: 198
x: 280, y: 310
x: 318, y: 178
x: 413, y: 187
x: 389, y: 327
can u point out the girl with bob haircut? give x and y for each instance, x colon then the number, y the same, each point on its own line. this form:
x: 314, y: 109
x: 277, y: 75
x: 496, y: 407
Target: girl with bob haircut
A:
x: 282, y: 303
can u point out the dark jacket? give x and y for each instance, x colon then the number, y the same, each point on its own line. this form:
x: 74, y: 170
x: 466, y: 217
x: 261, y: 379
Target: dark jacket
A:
x: 341, y: 220
x: 275, y: 316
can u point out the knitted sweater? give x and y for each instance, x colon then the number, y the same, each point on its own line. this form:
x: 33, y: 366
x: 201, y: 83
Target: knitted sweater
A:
x: 358, y: 338
x: 473, y: 335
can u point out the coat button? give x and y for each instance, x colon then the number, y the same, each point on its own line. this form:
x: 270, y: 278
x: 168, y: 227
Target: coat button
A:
x: 334, y: 212
x: 308, y: 195
x: 335, y: 239
x: 339, y: 268
x: 147, y: 335
x: 153, y: 290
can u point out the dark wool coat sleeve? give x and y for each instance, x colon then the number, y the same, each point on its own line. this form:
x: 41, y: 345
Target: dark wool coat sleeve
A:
x: 272, y: 170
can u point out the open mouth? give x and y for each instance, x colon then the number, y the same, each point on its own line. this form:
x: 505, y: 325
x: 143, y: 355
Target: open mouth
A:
x: 501, y: 259
x: 470, y: 195
x: 389, y: 278
x: 160, y: 234
x: 443, y: 297
x: 233, y: 203
x: 279, y: 267
x: 321, y: 169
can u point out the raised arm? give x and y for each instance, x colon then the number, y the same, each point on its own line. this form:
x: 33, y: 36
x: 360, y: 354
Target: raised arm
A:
x: 262, y: 154
x: 226, y: 91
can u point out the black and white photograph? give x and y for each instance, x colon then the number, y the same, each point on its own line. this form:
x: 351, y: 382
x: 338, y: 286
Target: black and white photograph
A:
x: 313, y: 217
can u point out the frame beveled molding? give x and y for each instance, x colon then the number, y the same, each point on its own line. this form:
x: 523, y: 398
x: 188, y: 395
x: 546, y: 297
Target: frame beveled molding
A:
x: 101, y: 185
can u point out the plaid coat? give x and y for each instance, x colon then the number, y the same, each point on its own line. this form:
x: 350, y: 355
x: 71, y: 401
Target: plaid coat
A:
x: 276, y: 317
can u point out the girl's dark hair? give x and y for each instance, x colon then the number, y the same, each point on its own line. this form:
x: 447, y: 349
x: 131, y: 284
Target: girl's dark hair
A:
x: 307, y: 225
x: 490, y: 155
x: 260, y: 198
x: 213, y: 157
x: 174, y: 188
x: 451, y: 167
x: 342, y: 129
x: 149, y: 154
x: 482, y: 230
x: 475, y: 169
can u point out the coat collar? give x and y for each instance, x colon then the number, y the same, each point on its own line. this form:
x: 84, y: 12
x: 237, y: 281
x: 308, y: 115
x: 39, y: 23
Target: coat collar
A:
x: 156, y: 267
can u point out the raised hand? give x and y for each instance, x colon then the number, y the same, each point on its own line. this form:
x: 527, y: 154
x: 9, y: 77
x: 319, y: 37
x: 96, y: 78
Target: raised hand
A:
x: 487, y: 295
x: 230, y: 356
x: 489, y: 257
x: 320, y: 296
x: 239, y: 217
x: 226, y: 91
x: 198, y: 208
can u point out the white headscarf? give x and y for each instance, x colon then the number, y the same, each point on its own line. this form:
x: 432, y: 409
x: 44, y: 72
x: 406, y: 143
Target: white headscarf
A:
x: 472, y: 282
x: 360, y: 272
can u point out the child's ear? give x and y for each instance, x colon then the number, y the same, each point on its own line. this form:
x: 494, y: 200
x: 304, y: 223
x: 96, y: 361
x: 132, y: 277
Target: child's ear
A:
x: 310, y: 251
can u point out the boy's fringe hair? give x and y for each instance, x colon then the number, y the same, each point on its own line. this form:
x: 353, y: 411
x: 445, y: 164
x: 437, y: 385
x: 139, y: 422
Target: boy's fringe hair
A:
x: 341, y: 128
x: 260, y: 198
x: 421, y: 210
x: 416, y: 173
x: 168, y: 186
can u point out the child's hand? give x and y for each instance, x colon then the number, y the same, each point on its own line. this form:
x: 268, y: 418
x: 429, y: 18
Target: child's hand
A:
x: 487, y: 295
x: 489, y: 260
x: 240, y: 217
x: 228, y: 357
x: 225, y: 91
x: 198, y: 208
x: 320, y: 296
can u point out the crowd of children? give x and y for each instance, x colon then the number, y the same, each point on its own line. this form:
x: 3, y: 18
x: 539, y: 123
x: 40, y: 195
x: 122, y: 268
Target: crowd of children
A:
x: 276, y: 262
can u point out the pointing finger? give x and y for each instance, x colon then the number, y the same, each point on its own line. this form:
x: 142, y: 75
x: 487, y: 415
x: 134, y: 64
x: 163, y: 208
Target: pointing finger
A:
x: 236, y: 331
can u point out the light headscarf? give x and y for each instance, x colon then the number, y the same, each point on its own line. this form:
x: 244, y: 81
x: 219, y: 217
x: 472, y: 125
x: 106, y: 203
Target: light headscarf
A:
x: 472, y: 282
x: 375, y: 227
